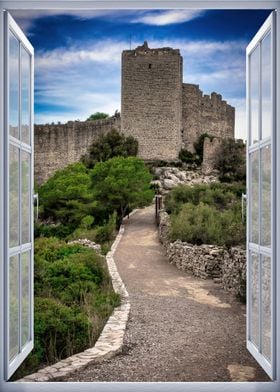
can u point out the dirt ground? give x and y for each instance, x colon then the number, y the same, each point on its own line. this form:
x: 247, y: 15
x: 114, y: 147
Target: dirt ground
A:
x: 180, y: 328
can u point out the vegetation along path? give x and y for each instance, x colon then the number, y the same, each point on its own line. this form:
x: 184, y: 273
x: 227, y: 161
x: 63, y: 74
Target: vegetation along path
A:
x: 180, y: 328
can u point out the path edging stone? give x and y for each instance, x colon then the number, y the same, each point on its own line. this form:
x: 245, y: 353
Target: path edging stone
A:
x: 110, y: 341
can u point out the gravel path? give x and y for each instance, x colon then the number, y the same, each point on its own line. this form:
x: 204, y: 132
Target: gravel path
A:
x: 180, y: 328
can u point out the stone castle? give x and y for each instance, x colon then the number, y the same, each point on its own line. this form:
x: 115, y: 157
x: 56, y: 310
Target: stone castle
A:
x: 157, y: 108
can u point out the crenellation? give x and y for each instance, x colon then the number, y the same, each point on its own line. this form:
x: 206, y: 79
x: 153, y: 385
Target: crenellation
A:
x: 157, y: 108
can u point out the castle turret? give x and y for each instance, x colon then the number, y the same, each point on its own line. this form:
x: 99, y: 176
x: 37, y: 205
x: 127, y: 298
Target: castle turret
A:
x: 151, y: 108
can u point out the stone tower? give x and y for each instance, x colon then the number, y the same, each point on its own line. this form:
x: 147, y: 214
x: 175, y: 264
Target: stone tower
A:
x: 151, y: 106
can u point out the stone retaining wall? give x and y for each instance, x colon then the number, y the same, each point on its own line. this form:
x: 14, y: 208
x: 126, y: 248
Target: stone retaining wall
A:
x: 224, y: 266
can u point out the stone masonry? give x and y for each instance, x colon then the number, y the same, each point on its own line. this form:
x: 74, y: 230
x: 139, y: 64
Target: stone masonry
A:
x: 56, y: 146
x: 152, y: 100
x: 205, y: 114
x: 157, y: 108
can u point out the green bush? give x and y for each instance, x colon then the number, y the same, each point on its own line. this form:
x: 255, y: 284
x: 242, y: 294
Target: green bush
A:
x: 73, y: 299
x: 111, y: 145
x: 107, y: 232
x: 231, y: 161
x: 221, y: 195
x: 188, y: 157
x: 198, y: 145
x: 97, y: 116
x: 205, y: 224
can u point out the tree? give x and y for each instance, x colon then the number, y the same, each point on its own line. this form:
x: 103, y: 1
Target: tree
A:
x: 231, y: 161
x: 66, y: 196
x: 121, y: 184
x: 110, y: 145
x: 97, y: 116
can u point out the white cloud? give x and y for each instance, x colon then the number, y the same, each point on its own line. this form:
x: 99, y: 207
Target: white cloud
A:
x: 85, y: 79
x: 162, y: 18
x: 26, y: 18
x: 107, y: 52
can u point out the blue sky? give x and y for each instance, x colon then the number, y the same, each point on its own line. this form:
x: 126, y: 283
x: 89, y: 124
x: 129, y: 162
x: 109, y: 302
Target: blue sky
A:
x: 78, y: 55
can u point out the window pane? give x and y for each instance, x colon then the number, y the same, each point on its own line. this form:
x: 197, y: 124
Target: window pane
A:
x: 254, y: 213
x: 25, y: 96
x: 266, y: 196
x: 254, y: 95
x: 13, y: 85
x: 266, y: 87
x: 25, y: 198
x: 266, y: 306
x: 254, y: 264
x: 14, y: 195
x: 25, y: 297
x: 13, y: 306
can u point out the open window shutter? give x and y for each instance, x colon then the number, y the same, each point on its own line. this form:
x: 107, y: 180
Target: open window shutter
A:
x: 260, y: 56
x: 19, y: 60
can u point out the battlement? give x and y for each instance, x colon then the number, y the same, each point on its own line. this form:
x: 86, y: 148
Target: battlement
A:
x: 157, y: 108
x: 144, y: 50
x: 203, y: 113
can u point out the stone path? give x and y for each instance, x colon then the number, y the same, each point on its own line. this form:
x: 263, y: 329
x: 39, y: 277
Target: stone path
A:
x: 180, y: 328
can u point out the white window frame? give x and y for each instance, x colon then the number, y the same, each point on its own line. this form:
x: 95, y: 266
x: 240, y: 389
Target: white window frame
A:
x: 273, y: 386
x: 28, y: 148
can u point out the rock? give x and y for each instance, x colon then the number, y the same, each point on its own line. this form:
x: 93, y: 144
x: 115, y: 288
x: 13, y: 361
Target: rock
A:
x: 87, y: 243
x: 168, y: 184
x: 227, y: 267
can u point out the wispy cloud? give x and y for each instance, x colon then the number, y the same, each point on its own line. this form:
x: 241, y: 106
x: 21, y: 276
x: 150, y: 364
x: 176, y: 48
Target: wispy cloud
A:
x: 28, y: 19
x: 83, y: 79
x: 163, y: 18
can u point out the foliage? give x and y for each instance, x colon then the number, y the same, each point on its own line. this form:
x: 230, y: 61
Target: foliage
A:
x: 110, y: 145
x: 198, y: 145
x: 97, y: 116
x: 205, y: 224
x: 73, y: 299
x: 107, y: 232
x: 188, y: 157
x: 206, y: 214
x: 222, y: 196
x: 231, y: 161
x: 66, y: 197
x: 120, y: 184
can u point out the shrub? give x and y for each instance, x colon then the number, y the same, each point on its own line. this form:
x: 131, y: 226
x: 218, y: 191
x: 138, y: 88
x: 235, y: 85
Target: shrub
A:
x: 108, y: 146
x: 221, y: 195
x: 231, y: 161
x: 107, y: 232
x: 204, y: 224
x: 73, y: 299
x: 198, y: 146
x: 97, y: 116
x: 188, y: 157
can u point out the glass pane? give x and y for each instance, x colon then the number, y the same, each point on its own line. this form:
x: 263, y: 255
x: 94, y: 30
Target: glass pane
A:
x: 25, y: 197
x: 25, y: 297
x: 254, y: 95
x: 254, y: 213
x: 14, y: 195
x: 13, y: 306
x: 266, y: 306
x: 266, y: 87
x: 266, y: 196
x: 255, y: 298
x: 14, y: 86
x: 25, y: 96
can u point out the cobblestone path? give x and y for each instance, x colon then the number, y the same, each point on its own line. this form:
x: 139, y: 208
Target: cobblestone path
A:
x: 180, y: 328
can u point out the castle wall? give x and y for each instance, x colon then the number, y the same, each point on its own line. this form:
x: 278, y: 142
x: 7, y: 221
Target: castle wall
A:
x: 210, y: 152
x: 56, y: 146
x: 151, y: 108
x: 205, y: 114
